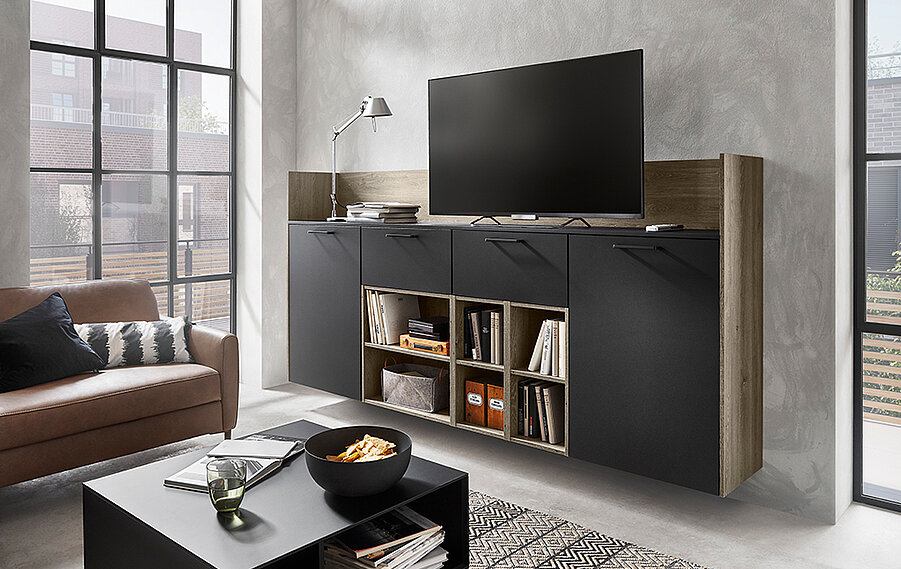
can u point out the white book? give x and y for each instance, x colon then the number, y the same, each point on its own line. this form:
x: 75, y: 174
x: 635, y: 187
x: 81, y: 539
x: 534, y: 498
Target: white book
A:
x: 246, y: 448
x: 555, y: 347
x: 493, y: 334
x: 380, y: 314
x: 194, y: 476
x: 546, y: 349
x: 563, y: 350
x: 397, y: 309
x: 535, y: 361
x: 370, y: 319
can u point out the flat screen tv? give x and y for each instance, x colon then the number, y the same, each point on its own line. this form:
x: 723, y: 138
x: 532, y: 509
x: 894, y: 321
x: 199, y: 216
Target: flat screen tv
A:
x: 564, y: 139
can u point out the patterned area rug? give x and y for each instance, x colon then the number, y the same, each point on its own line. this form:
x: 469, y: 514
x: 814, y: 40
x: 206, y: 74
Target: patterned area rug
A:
x: 504, y: 535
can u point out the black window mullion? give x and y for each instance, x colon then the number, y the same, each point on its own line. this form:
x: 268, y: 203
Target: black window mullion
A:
x: 172, y: 76
x: 97, y: 139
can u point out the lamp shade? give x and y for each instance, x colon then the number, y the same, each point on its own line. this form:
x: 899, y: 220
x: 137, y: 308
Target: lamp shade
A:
x: 377, y: 107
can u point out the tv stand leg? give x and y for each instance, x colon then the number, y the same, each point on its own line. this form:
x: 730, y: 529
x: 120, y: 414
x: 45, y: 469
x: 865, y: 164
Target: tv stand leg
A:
x: 491, y: 217
x: 574, y: 220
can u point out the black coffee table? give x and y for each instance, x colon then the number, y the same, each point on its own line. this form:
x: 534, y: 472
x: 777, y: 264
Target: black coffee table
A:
x: 132, y: 520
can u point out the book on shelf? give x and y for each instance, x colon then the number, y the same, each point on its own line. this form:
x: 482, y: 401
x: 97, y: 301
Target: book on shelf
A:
x: 485, y: 335
x: 549, y: 353
x: 431, y: 327
x: 539, y: 403
x: 398, y: 219
x: 268, y: 452
x: 546, y: 348
x: 535, y: 360
x: 497, y: 337
x: 474, y: 323
x: 395, y: 310
x: 381, y: 536
x: 386, y: 207
x: 554, y: 402
x: 427, y: 554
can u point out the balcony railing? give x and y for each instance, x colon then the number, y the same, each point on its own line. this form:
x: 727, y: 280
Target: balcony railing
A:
x: 73, y: 115
x: 206, y: 302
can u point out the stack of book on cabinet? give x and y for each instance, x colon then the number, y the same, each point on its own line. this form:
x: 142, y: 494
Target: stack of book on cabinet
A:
x: 549, y: 354
x: 382, y: 212
x: 427, y: 334
x: 483, y: 334
x: 400, y: 539
x: 541, y: 411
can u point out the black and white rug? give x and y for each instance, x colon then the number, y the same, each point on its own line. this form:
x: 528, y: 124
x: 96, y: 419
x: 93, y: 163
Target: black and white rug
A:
x: 506, y: 536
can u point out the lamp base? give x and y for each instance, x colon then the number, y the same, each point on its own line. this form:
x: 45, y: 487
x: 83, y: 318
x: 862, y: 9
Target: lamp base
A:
x: 336, y: 219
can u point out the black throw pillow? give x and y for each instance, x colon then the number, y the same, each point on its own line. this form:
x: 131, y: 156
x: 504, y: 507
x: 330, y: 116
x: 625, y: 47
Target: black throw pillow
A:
x: 41, y: 345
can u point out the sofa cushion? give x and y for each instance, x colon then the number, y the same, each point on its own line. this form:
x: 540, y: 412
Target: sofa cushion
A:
x: 41, y: 345
x: 138, y: 343
x: 91, y: 401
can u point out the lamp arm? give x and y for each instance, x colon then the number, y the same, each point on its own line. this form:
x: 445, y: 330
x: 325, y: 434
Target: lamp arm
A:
x: 336, y: 130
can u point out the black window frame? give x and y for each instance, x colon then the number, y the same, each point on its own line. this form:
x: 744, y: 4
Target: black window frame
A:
x: 173, y: 67
x: 861, y: 159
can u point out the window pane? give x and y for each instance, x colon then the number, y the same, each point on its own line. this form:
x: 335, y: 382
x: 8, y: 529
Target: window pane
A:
x: 136, y: 26
x: 883, y: 242
x: 882, y: 416
x: 884, y: 76
x: 203, y: 31
x: 204, y: 303
x: 61, y: 228
x: 203, y: 121
x: 66, y: 22
x: 135, y: 226
x: 62, y: 97
x: 203, y: 214
x: 134, y: 119
x: 161, y: 292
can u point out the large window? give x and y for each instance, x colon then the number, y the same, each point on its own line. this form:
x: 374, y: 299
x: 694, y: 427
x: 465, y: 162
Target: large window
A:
x: 877, y: 187
x: 132, y: 154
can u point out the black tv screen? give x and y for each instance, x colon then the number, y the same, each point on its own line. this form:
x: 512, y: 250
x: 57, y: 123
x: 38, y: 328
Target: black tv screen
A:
x: 564, y: 138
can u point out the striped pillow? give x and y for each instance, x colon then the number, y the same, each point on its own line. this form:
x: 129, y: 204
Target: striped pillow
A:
x: 138, y: 343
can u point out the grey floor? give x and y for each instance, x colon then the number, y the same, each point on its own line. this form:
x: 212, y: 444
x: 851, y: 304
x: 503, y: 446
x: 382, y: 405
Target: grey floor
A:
x: 40, y: 520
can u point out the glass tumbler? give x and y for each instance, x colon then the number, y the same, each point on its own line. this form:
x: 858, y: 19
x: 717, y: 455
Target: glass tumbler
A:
x: 226, y: 478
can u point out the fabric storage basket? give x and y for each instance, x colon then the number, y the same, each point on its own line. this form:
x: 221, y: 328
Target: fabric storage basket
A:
x: 402, y: 385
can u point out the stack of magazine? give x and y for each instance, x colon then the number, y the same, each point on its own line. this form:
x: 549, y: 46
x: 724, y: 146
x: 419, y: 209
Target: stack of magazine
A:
x: 263, y: 454
x: 400, y: 539
x: 383, y: 212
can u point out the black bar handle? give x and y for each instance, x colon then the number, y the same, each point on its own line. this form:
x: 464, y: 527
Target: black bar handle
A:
x: 320, y: 231
x: 639, y: 247
x: 402, y: 235
x: 501, y: 240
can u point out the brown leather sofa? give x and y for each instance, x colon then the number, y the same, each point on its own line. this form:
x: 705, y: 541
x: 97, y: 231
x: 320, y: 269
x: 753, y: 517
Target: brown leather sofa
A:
x: 90, y: 417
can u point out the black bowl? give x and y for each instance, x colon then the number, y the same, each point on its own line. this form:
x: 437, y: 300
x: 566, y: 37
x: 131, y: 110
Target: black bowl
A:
x: 356, y: 478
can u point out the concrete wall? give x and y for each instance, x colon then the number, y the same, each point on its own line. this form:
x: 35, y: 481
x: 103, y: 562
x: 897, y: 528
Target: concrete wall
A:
x: 267, y: 72
x: 720, y: 76
x: 14, y: 93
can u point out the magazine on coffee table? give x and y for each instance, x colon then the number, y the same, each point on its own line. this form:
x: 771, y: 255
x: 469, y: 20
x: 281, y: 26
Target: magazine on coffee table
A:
x: 259, y: 466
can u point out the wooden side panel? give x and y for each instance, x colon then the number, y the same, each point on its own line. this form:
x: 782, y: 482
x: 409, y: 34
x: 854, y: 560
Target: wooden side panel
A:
x: 676, y: 191
x: 741, y: 320
x: 308, y: 196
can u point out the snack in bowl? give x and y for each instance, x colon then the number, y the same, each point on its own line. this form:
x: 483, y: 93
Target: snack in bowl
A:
x: 362, y: 475
x: 366, y: 450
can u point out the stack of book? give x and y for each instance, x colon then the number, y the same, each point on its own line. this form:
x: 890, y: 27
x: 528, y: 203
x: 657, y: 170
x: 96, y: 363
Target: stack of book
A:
x: 427, y: 334
x: 401, y: 539
x: 382, y: 212
x: 483, y: 334
x: 541, y: 410
x: 549, y: 354
x: 389, y: 314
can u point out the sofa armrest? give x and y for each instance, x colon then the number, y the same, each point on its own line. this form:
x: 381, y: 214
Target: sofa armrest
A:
x: 219, y: 350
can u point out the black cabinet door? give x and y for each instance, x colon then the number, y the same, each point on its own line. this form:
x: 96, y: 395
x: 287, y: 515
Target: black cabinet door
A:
x: 407, y: 258
x: 644, y: 356
x: 510, y: 265
x: 324, y: 307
